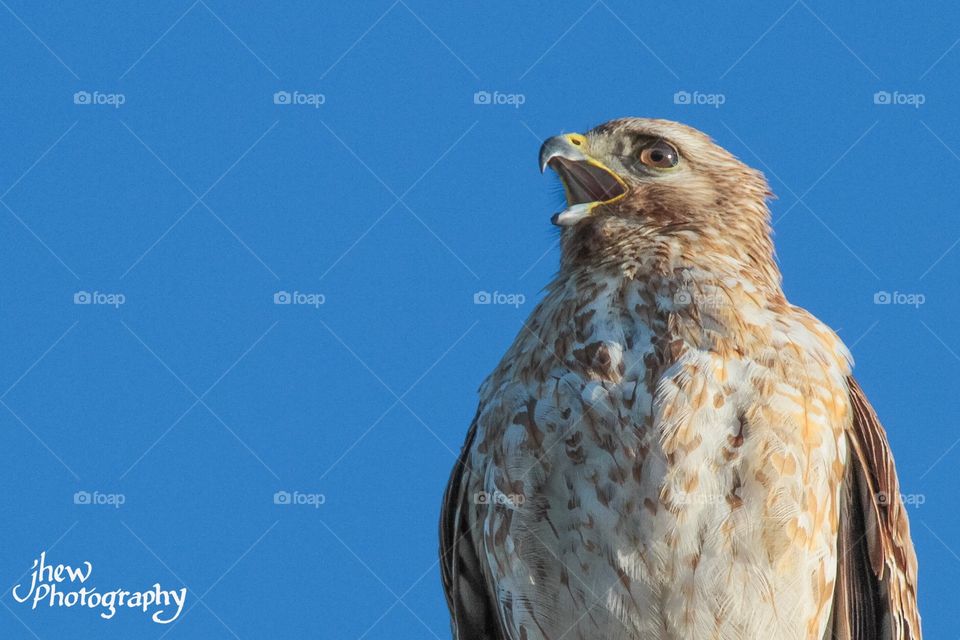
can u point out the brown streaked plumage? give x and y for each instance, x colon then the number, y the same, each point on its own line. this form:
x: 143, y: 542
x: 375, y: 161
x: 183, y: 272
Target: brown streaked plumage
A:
x: 670, y: 449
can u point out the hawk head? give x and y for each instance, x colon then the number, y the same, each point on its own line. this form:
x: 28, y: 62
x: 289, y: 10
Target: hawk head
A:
x: 658, y: 184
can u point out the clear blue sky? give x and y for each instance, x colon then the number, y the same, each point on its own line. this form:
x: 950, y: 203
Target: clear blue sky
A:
x: 144, y: 156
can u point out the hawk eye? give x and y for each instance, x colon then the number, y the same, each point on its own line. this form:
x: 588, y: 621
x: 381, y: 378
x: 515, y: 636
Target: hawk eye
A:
x: 660, y: 155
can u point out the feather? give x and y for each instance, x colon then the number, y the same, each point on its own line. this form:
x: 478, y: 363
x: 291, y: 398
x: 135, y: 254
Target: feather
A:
x: 468, y: 598
x: 876, y: 593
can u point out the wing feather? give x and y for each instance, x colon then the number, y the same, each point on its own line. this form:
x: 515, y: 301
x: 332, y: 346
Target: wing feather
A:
x: 876, y: 594
x: 471, y: 607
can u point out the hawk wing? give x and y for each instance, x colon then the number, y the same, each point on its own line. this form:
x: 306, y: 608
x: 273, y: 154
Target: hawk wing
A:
x: 876, y: 593
x: 472, y: 611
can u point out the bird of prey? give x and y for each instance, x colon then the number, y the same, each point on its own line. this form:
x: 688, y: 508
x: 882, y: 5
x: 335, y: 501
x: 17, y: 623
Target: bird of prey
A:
x: 670, y: 449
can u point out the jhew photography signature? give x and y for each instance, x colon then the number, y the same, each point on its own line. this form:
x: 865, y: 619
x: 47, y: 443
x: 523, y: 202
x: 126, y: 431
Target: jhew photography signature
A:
x: 55, y: 586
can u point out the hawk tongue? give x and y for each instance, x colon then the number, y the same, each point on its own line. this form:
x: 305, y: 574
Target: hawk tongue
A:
x: 572, y: 215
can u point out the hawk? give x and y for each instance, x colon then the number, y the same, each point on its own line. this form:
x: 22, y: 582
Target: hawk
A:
x: 670, y: 449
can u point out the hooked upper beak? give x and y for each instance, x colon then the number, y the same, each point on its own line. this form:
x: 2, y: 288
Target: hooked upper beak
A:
x: 587, y: 182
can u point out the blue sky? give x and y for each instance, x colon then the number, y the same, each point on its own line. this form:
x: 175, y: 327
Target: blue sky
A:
x: 181, y: 164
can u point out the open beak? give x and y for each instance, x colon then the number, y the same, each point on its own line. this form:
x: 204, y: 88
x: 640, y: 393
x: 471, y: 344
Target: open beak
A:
x: 586, y: 181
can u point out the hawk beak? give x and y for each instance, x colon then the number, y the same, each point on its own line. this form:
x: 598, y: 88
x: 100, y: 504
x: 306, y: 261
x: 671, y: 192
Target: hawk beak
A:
x: 587, y: 182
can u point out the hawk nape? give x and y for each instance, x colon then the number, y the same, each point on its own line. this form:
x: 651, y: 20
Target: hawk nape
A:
x: 670, y: 449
